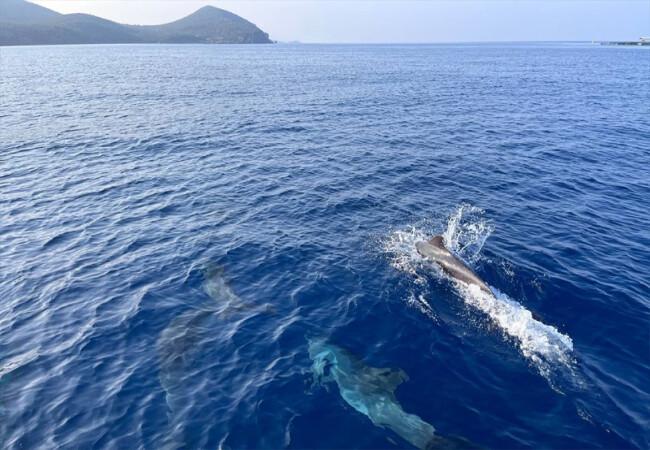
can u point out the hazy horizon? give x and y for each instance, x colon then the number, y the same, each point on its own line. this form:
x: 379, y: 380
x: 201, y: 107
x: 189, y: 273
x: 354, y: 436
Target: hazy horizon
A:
x: 387, y: 22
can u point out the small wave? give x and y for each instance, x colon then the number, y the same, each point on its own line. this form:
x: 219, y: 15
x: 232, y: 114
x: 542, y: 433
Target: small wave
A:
x: 17, y: 361
x: 60, y: 238
x: 465, y: 233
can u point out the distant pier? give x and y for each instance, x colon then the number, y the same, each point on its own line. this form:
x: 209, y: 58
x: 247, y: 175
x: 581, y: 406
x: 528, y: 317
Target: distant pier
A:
x: 641, y: 41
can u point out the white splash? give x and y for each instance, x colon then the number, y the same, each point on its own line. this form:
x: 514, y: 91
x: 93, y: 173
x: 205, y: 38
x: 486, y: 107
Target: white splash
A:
x: 420, y: 302
x: 400, y: 245
x: 465, y: 234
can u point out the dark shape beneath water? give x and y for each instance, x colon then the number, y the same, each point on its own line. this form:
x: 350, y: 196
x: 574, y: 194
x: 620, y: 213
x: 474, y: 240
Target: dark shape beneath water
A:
x: 371, y: 391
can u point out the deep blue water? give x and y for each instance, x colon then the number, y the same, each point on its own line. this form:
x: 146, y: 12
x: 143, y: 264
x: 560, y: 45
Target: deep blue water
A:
x: 177, y: 221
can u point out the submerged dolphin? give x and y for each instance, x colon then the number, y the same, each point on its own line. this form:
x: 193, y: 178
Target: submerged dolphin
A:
x: 189, y: 336
x: 371, y: 391
x: 434, y: 250
x: 217, y: 286
x: 184, y: 336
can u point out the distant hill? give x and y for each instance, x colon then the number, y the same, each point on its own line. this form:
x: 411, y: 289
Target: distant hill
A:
x: 19, y: 11
x: 211, y: 25
x: 24, y: 23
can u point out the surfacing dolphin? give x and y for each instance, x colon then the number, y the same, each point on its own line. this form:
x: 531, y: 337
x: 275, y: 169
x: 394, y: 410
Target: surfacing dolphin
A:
x: 435, y: 250
x: 371, y: 391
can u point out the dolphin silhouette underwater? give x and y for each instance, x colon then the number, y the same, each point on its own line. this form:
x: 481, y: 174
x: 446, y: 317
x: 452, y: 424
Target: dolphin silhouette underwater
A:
x: 190, y: 331
x: 371, y: 391
x: 189, y: 336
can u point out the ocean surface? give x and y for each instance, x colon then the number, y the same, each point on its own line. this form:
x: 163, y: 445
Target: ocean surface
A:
x: 214, y: 246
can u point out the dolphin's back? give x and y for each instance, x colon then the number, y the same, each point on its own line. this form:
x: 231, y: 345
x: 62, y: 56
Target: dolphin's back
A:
x: 435, y: 250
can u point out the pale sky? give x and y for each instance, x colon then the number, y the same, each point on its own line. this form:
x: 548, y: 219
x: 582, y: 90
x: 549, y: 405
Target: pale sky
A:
x: 399, y: 21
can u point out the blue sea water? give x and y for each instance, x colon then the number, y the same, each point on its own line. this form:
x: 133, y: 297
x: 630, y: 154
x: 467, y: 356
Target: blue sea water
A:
x: 178, y: 223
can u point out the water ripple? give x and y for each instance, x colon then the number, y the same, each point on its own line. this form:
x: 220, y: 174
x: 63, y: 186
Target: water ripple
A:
x: 176, y: 220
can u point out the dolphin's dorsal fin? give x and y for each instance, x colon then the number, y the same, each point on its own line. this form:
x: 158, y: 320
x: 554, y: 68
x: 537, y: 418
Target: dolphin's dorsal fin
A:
x: 391, y: 378
x: 212, y: 269
x: 437, y: 242
x: 397, y: 377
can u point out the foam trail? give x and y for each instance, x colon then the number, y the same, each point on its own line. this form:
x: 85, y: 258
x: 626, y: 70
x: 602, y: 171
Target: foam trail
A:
x: 465, y: 234
x: 542, y: 344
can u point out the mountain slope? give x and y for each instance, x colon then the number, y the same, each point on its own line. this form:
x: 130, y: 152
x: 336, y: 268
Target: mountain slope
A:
x: 96, y: 30
x: 24, y: 23
x: 210, y: 25
x: 22, y: 12
x: 35, y: 34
